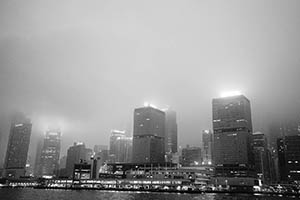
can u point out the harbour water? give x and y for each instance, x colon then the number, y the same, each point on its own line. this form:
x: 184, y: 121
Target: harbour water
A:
x: 38, y: 194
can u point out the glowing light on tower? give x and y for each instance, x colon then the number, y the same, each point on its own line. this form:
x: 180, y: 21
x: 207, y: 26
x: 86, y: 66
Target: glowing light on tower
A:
x: 230, y: 93
x: 147, y: 104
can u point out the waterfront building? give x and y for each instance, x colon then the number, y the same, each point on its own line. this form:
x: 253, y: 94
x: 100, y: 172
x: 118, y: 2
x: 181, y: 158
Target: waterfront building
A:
x: 191, y: 156
x: 76, y: 154
x: 132, y: 171
x: 82, y: 171
x: 232, y: 126
x: 148, y: 135
x: 120, y: 148
x: 18, y: 145
x: 207, y: 150
x: 49, y: 160
x: 289, y: 158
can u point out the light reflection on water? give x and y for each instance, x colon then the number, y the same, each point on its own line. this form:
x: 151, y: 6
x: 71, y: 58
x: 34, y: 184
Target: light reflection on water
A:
x: 37, y: 194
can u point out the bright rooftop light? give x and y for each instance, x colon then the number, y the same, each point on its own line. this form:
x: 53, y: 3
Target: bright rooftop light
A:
x: 230, y: 93
x: 147, y: 104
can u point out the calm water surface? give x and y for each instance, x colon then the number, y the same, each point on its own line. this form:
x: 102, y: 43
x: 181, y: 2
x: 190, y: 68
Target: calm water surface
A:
x: 35, y: 194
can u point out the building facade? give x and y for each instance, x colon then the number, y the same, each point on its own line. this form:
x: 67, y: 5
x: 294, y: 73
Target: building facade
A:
x: 76, y: 154
x: 38, y: 153
x: 148, y: 135
x: 232, y: 126
x: 289, y: 158
x: 120, y: 147
x: 49, y: 163
x: 18, y: 145
x: 191, y: 156
x: 207, y: 150
x: 171, y: 136
x: 261, y: 157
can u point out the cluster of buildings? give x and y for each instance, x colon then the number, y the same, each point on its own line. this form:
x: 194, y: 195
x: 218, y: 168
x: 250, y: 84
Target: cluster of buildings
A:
x: 231, y: 154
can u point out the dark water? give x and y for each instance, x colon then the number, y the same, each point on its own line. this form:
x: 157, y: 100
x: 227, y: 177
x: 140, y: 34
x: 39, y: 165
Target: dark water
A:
x: 35, y: 194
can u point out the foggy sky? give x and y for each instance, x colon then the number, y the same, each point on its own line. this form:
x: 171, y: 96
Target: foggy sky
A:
x: 87, y: 64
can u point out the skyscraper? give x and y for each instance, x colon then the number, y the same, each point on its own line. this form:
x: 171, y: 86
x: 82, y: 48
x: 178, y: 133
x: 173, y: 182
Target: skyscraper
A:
x: 17, y: 148
x: 120, y: 147
x: 207, y: 141
x: 38, y: 153
x: 232, y: 127
x: 124, y: 149
x: 171, y: 132
x: 261, y: 156
x: 75, y: 155
x: 50, y: 153
x: 148, y: 135
x: 289, y: 158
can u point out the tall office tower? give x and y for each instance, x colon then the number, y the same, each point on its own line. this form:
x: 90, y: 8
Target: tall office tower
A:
x: 29, y: 166
x: 38, y: 153
x: 62, y: 172
x: 120, y: 147
x: 207, y: 151
x: 50, y: 153
x: 261, y: 157
x: 113, y: 144
x: 191, y: 156
x: 76, y: 154
x: 171, y: 132
x: 148, y: 135
x: 273, y: 163
x: 232, y: 127
x: 17, y: 148
x: 282, y: 128
x: 289, y: 158
x: 125, y: 150
x: 62, y: 162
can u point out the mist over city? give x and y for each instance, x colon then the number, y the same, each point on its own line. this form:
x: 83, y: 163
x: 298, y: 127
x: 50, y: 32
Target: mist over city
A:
x: 84, y: 67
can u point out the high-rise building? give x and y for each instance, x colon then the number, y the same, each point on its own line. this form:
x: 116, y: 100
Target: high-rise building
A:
x: 261, y: 157
x: 282, y: 128
x: 232, y: 126
x: 120, y: 147
x: 191, y: 156
x: 17, y: 148
x: 37, y: 163
x: 49, y: 163
x: 62, y: 162
x: 171, y: 132
x: 207, y: 150
x: 289, y: 158
x: 29, y: 167
x: 148, y: 135
x: 76, y: 154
